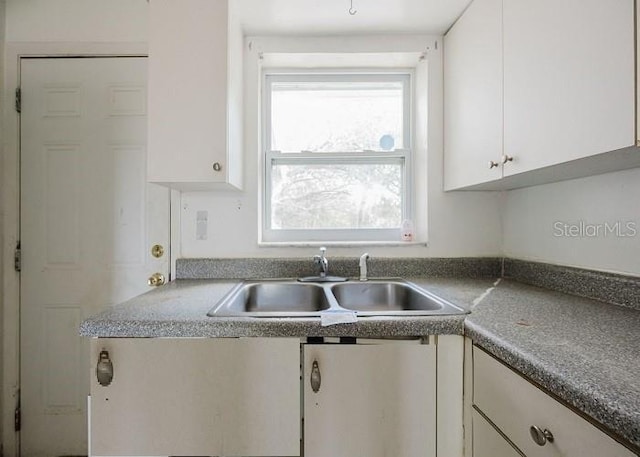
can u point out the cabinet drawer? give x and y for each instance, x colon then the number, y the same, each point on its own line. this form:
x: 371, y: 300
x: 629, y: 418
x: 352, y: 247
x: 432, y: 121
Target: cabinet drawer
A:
x: 514, y: 405
x: 487, y: 442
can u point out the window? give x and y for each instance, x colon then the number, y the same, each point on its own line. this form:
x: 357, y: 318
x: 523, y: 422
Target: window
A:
x: 337, y: 156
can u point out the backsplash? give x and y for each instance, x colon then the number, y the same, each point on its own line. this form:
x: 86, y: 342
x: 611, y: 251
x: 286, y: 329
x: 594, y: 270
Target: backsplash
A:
x: 608, y: 287
x: 382, y: 267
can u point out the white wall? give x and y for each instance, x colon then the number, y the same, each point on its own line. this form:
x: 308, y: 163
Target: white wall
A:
x: 77, y: 20
x: 530, y: 215
x: 459, y: 224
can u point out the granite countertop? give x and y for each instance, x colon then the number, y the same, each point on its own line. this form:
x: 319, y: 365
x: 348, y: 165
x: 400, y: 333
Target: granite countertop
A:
x: 583, y: 351
x: 179, y: 309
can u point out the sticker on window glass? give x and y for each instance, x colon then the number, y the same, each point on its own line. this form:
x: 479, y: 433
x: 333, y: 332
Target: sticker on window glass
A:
x: 387, y: 142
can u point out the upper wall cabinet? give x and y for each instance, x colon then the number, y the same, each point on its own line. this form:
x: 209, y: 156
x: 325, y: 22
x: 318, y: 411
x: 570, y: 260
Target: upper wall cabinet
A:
x: 195, y: 95
x: 473, y: 95
x: 565, y: 107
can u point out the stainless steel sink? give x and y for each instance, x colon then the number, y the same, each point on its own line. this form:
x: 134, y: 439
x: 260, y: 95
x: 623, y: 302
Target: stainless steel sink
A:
x: 376, y: 297
x: 273, y: 299
x: 289, y: 298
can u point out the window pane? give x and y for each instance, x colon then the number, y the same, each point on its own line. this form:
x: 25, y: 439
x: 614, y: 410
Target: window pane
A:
x: 336, y: 196
x: 336, y: 116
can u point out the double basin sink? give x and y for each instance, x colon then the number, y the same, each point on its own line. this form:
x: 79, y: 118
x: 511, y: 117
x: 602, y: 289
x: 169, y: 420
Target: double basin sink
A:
x: 289, y: 298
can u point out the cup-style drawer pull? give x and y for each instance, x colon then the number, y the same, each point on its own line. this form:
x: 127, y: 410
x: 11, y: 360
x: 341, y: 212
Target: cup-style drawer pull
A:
x: 104, y: 369
x: 315, y: 377
x: 539, y: 436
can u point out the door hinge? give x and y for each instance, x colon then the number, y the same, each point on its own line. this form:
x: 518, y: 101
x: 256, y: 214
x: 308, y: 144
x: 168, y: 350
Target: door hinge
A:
x: 18, y: 100
x: 17, y: 258
x: 17, y: 419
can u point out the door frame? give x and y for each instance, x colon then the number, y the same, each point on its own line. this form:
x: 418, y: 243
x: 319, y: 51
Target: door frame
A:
x: 10, y: 230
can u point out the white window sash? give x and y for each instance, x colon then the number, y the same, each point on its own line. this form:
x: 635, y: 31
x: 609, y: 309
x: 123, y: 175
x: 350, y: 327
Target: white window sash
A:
x: 401, y: 156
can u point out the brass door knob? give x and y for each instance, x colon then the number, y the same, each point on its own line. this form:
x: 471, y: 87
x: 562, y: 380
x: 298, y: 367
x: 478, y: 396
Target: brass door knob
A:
x: 156, y: 279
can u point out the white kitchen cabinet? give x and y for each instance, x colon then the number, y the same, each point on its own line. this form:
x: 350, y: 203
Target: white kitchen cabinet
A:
x: 374, y: 400
x: 473, y: 96
x: 515, y: 405
x: 195, y: 95
x: 559, y: 76
x: 183, y: 396
x: 569, y: 81
x: 487, y: 441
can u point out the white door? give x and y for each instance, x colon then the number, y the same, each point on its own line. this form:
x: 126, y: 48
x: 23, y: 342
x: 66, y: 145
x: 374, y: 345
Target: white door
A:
x: 88, y: 222
x: 374, y: 400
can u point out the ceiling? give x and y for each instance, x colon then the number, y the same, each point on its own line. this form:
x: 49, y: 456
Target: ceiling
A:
x: 312, y: 17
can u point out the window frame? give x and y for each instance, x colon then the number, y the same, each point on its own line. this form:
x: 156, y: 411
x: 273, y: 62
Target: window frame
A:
x: 402, y: 156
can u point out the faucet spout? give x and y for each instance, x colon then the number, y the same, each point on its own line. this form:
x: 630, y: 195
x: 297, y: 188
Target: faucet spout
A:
x: 322, y: 262
x: 363, y: 266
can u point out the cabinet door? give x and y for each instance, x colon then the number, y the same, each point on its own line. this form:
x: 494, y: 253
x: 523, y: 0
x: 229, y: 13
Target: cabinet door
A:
x: 197, y: 397
x: 569, y: 81
x: 373, y: 400
x: 192, y: 125
x: 473, y: 96
x: 487, y: 442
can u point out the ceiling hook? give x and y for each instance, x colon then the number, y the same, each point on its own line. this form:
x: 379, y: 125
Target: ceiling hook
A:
x: 351, y: 10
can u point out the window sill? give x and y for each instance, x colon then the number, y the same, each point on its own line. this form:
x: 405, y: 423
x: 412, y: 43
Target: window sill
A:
x: 340, y: 244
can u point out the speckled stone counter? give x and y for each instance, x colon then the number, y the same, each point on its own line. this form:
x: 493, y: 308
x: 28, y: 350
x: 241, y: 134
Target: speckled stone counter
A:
x: 585, y: 352
x: 179, y: 309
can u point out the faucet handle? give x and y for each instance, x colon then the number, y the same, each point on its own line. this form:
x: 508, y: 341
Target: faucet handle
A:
x: 320, y: 257
x: 363, y: 266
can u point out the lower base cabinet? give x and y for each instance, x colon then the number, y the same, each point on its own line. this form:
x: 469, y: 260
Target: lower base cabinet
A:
x: 341, y: 397
x: 537, y: 424
x: 211, y: 397
x: 373, y: 400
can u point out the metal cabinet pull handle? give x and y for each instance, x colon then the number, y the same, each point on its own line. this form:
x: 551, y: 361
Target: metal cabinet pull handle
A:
x: 493, y: 164
x: 506, y: 158
x: 539, y: 436
x: 104, y: 369
x: 315, y: 377
x: 217, y: 166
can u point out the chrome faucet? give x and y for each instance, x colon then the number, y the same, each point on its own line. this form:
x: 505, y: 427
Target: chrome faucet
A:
x: 363, y: 266
x: 321, y: 260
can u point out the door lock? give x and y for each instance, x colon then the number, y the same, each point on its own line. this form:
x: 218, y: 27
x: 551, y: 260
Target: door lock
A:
x: 157, y: 251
